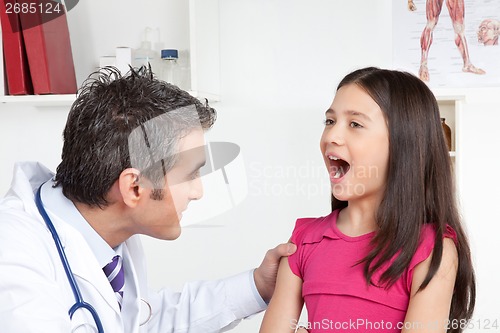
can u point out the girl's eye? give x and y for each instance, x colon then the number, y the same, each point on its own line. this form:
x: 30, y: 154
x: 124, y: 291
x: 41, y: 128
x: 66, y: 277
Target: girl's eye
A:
x: 329, y: 122
x: 355, y: 125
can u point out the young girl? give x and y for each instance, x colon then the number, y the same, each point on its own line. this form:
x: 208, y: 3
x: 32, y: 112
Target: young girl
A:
x: 392, y: 256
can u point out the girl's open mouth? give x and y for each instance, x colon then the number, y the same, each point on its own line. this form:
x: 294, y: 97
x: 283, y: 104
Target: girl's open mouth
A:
x: 338, y: 167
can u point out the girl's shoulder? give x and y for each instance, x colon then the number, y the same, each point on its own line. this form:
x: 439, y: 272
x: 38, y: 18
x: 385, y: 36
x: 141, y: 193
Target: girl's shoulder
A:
x: 426, y: 246
x: 428, y: 235
x: 424, y: 249
x: 313, y: 229
x: 309, y: 231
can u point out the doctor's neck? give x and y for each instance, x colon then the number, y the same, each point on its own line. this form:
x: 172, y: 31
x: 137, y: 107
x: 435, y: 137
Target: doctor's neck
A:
x: 107, y: 222
x: 113, y: 222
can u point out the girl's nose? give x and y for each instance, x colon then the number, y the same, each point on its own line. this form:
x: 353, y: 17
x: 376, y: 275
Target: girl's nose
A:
x: 333, y: 134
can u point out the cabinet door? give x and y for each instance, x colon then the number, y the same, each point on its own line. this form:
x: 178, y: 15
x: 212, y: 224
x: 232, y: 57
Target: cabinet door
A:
x: 2, y: 81
x: 204, y: 44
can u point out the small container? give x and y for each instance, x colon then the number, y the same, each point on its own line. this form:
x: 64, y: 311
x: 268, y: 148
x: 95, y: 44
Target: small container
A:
x: 184, y: 79
x: 145, y: 56
x: 447, y: 132
x: 169, y: 68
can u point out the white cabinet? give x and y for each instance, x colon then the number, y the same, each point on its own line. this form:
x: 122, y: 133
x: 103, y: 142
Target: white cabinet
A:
x: 450, y: 108
x: 98, y: 27
x: 205, y: 52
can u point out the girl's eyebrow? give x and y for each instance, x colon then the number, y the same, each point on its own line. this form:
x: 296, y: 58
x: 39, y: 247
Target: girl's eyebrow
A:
x: 350, y: 112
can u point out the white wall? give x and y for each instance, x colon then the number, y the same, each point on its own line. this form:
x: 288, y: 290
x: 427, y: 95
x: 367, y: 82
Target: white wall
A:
x: 480, y: 195
x: 280, y: 63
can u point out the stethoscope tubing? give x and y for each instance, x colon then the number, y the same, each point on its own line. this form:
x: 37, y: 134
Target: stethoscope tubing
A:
x: 80, y: 303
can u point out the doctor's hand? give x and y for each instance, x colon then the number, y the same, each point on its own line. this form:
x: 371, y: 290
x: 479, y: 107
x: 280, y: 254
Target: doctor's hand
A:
x: 265, y: 274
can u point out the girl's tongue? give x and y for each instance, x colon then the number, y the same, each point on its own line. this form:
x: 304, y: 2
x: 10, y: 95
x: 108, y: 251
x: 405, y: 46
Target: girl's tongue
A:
x: 338, y: 168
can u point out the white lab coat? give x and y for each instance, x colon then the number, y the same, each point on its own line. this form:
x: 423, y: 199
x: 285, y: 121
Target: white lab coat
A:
x: 35, y: 295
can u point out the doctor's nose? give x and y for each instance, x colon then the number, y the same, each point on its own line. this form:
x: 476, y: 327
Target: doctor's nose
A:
x: 196, y: 189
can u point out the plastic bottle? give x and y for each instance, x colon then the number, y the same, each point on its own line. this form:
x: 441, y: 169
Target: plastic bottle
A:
x: 447, y: 132
x: 184, y: 79
x: 169, y: 68
x: 145, y: 55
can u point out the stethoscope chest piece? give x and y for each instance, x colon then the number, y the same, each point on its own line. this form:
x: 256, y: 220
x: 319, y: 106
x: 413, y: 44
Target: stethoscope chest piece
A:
x: 146, y: 312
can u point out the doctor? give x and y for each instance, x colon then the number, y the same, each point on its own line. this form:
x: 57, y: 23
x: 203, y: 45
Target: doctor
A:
x: 129, y: 166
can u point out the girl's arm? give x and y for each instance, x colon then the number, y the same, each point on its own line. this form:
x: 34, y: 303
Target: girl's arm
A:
x: 283, y: 312
x: 429, y: 309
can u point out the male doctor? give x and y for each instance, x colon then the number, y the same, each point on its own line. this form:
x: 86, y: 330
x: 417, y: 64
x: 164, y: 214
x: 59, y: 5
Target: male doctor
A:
x: 130, y: 165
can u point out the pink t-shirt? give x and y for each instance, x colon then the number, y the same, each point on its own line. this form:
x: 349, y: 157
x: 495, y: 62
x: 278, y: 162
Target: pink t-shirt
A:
x: 334, y: 289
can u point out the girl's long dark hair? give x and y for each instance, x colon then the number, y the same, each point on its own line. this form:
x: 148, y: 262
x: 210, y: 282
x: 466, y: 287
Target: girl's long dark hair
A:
x: 420, y: 187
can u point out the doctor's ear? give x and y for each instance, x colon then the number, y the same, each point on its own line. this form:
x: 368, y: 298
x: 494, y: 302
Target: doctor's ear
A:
x: 130, y: 186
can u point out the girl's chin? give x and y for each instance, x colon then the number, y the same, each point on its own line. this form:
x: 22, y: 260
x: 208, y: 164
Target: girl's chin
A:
x: 347, y: 191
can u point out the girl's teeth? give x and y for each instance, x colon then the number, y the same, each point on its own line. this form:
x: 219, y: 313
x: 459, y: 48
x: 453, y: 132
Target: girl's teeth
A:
x: 337, y: 174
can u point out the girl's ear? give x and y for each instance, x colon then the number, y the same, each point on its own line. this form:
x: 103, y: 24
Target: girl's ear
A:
x: 129, y: 186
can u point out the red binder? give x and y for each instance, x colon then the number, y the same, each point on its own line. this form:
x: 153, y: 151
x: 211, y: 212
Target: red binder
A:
x: 48, y: 47
x: 16, y: 72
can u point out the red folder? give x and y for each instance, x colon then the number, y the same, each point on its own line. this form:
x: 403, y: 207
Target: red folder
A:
x: 15, y: 61
x: 48, y: 47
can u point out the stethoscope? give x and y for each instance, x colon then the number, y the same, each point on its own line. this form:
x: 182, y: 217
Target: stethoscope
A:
x: 79, y: 302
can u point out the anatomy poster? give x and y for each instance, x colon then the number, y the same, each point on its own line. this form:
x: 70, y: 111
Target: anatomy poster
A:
x: 448, y: 43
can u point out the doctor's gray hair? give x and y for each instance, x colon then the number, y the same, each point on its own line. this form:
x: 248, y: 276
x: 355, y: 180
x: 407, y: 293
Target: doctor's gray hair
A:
x: 113, y: 118
x: 153, y: 146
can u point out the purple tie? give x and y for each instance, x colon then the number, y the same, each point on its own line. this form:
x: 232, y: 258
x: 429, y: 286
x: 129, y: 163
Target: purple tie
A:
x: 116, y: 277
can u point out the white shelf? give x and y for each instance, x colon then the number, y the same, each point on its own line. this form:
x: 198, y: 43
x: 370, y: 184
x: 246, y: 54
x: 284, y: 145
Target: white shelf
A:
x: 67, y: 100
x: 39, y: 100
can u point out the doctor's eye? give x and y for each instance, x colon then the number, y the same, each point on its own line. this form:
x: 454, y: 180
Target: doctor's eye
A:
x: 195, y: 175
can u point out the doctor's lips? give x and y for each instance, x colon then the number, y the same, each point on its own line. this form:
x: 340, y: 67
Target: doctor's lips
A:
x: 338, y: 167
